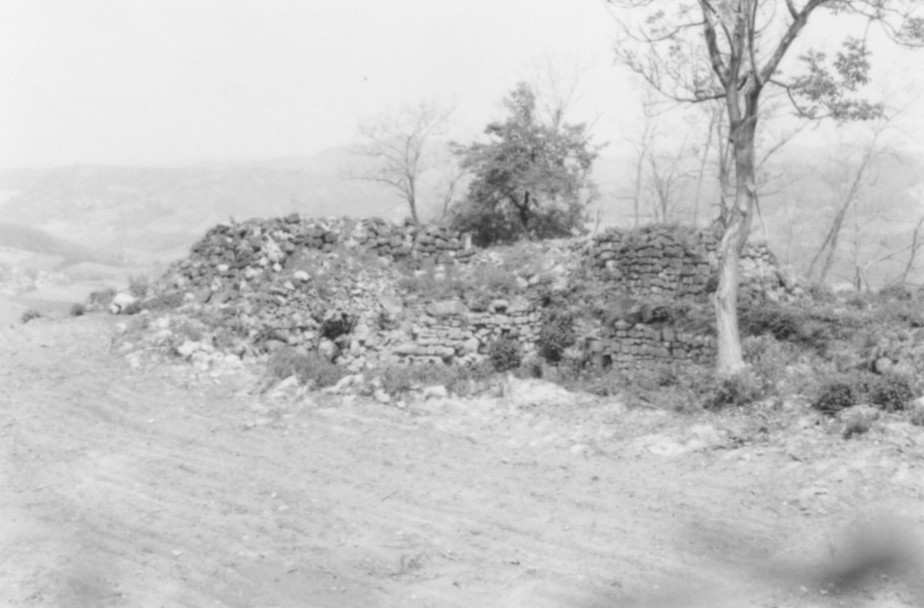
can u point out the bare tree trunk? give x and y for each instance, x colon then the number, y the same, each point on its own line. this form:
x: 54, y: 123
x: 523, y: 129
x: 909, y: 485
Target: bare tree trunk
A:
x: 736, y: 225
x: 914, y: 252
x: 837, y: 225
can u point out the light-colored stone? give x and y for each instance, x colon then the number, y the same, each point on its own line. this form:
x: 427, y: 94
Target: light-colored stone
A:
x: 437, y: 391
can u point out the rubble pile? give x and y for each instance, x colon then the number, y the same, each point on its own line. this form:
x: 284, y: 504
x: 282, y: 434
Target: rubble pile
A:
x: 366, y: 292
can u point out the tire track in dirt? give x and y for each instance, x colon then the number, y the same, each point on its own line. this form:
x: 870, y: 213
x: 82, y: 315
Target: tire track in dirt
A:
x: 148, y: 488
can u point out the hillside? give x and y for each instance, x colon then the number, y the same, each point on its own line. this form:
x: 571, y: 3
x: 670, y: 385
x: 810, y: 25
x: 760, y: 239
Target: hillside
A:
x: 146, y: 214
x: 152, y: 209
x: 31, y: 240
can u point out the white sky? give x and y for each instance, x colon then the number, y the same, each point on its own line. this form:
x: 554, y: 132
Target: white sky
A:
x: 173, y: 81
x: 164, y: 81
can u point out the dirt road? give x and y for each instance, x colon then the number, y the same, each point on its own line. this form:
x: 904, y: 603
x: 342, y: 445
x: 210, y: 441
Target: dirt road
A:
x: 160, y: 487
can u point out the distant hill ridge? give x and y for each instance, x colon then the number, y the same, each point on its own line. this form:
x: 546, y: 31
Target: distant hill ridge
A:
x: 37, y: 241
x: 154, y: 208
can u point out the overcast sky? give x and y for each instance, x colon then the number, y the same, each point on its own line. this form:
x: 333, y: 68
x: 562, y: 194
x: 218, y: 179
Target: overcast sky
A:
x: 173, y: 81
x: 163, y: 81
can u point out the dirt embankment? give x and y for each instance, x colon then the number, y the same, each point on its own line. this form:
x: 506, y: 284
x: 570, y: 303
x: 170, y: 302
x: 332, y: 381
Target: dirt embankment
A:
x: 158, y: 487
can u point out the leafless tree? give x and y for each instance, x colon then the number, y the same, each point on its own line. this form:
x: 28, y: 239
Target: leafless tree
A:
x: 849, y: 183
x: 395, y: 149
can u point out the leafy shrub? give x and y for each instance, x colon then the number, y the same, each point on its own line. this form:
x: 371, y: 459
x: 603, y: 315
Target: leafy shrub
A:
x: 308, y: 367
x: 505, y: 354
x: 555, y: 335
x: 770, y: 320
x: 733, y: 391
x: 102, y: 298
x: 891, y: 392
x: 787, y: 324
x: 139, y: 286
x: 897, y: 291
x: 835, y: 396
x: 78, y: 309
x: 30, y: 315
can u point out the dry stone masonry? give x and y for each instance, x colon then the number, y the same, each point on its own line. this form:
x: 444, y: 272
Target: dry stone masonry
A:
x: 657, y: 265
x: 341, y: 287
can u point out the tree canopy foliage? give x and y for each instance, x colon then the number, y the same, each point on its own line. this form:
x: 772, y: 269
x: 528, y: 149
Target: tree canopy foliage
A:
x: 531, y: 180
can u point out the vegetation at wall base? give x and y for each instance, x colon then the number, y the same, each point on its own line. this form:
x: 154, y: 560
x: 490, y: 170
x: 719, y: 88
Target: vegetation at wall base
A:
x: 31, y: 315
x: 505, y: 354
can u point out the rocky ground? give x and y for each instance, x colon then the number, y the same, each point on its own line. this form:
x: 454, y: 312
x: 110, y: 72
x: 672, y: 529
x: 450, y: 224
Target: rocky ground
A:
x: 160, y: 485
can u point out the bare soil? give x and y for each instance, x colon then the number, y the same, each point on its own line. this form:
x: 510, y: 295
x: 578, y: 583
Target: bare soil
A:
x: 165, y: 487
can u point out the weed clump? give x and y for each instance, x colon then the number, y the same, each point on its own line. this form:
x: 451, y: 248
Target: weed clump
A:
x: 139, y: 286
x: 556, y: 334
x: 31, y: 315
x: 78, y: 310
x: 102, y: 298
x: 505, y: 354
x: 308, y: 367
x: 835, y: 396
x: 891, y: 392
x: 736, y: 390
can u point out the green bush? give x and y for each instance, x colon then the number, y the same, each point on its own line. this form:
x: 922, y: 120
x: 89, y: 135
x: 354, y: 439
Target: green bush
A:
x: 555, y: 335
x: 835, y: 396
x: 78, y: 309
x: 897, y: 291
x: 139, y: 286
x: 733, y: 391
x: 505, y: 354
x: 30, y: 315
x: 891, y: 392
x: 308, y: 367
x: 102, y: 298
x: 775, y: 321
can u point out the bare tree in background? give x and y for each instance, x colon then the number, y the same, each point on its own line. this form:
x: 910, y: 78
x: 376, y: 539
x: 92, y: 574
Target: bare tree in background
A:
x: 849, y: 183
x: 913, y: 250
x: 395, y: 148
x: 732, y: 50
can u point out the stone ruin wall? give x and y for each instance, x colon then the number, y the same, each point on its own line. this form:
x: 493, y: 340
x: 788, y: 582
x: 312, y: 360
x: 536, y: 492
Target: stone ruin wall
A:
x: 254, y: 262
x: 450, y: 331
x: 661, y: 263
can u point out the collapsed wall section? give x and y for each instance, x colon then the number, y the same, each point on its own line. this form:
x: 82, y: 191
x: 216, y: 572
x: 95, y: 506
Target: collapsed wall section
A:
x: 335, y: 286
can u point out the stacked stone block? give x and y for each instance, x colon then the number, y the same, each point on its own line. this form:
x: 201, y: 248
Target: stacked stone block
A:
x: 269, y: 274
